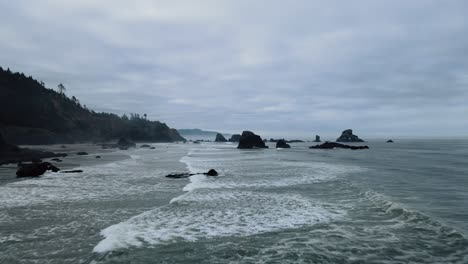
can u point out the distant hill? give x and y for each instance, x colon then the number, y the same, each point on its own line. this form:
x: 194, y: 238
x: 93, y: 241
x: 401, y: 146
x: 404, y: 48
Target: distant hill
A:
x: 195, y: 133
x: 30, y: 113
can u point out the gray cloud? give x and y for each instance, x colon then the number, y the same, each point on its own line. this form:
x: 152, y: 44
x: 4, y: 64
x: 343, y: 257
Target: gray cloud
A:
x: 384, y: 68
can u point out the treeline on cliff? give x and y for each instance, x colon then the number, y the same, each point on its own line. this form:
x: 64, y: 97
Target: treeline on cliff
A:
x: 30, y: 113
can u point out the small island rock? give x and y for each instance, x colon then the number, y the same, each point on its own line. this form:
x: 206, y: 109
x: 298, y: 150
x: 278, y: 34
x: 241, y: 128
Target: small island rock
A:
x: 235, y: 138
x: 332, y: 145
x: 348, y: 136
x: 249, y: 140
x: 282, y: 144
x: 220, y: 138
x: 317, y: 138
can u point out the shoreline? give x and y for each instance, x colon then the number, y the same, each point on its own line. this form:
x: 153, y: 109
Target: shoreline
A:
x: 72, y: 161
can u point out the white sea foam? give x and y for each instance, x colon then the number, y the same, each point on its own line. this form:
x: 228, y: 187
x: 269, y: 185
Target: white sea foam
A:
x: 208, y: 214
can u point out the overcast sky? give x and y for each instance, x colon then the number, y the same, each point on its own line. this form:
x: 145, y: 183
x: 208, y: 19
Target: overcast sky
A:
x: 280, y: 68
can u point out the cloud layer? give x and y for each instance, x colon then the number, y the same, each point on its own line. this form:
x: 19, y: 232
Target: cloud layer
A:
x: 295, y: 68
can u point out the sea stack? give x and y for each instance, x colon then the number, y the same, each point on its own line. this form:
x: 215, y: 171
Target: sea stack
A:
x: 282, y: 144
x: 249, y: 140
x: 220, y: 138
x: 389, y: 141
x: 235, y: 138
x: 347, y: 136
x: 317, y: 138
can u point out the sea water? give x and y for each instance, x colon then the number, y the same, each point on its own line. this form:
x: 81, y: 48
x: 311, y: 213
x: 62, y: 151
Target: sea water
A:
x: 402, y: 202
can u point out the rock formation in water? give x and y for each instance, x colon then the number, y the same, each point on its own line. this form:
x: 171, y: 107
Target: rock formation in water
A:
x: 332, y: 145
x: 282, y: 144
x: 317, y: 138
x: 35, y: 169
x: 13, y: 154
x: 389, y: 141
x: 235, y: 138
x: 220, y: 138
x: 211, y: 172
x: 348, y: 136
x: 249, y: 140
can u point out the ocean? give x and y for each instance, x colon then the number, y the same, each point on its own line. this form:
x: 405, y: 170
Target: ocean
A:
x: 402, y: 202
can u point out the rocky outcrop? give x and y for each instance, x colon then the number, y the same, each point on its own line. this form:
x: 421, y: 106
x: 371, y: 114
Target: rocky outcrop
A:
x: 332, y: 145
x: 389, y: 141
x: 122, y: 144
x: 12, y: 154
x: 82, y: 153
x: 317, y: 138
x: 145, y: 146
x: 35, y: 169
x: 282, y: 144
x: 235, y: 138
x: 249, y: 140
x: 125, y: 143
x: 348, y: 136
x: 220, y: 138
x: 211, y: 172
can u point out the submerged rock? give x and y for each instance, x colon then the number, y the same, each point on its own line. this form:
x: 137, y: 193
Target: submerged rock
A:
x: 235, y: 138
x: 220, y: 138
x: 332, y: 145
x: 35, y: 169
x: 72, y: 171
x: 249, y: 140
x: 282, y: 144
x: 57, y: 159
x: 389, y: 141
x: 211, y: 172
x: 145, y: 146
x: 317, y: 138
x: 348, y: 136
x: 98, y: 157
x: 82, y: 153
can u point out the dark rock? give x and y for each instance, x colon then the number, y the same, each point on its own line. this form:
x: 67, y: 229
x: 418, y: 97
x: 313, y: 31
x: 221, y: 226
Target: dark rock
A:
x: 282, y: 144
x: 35, y: 169
x: 235, y: 138
x: 155, y: 148
x: 317, y: 138
x: 72, y: 171
x: 63, y: 146
x: 389, y: 141
x: 211, y: 172
x: 249, y: 140
x: 13, y: 154
x: 220, y: 138
x: 180, y: 175
x: 295, y: 141
x: 145, y: 146
x: 332, y: 145
x: 125, y: 143
x: 347, y: 136
x: 98, y: 157
x: 57, y: 159
x: 196, y: 142
x: 82, y: 153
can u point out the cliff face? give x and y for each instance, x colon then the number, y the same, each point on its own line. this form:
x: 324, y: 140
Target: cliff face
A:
x: 33, y: 114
